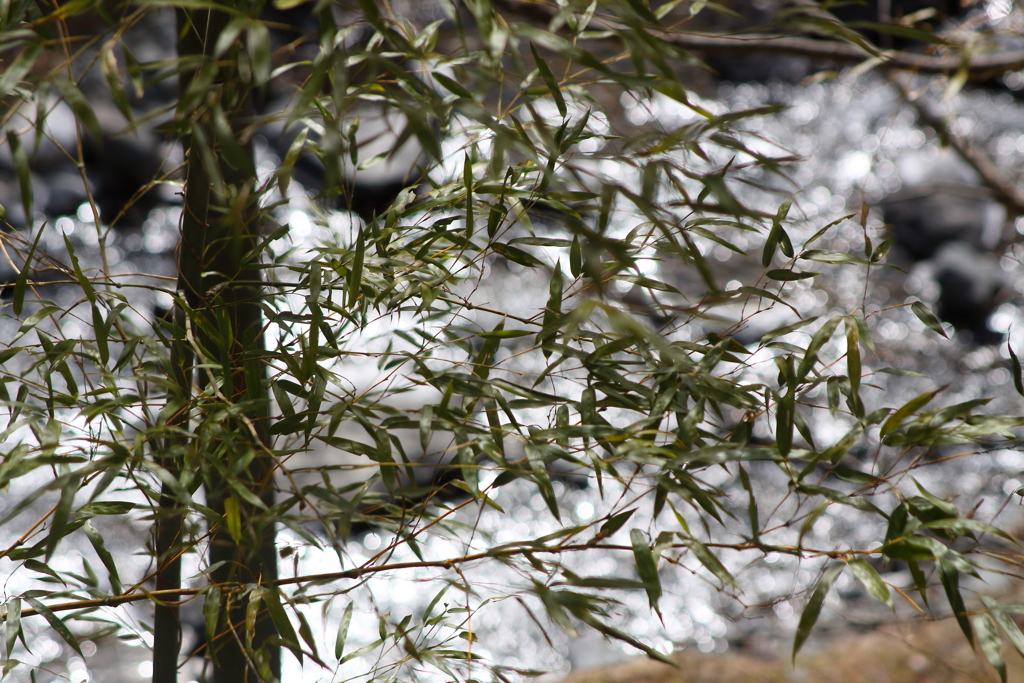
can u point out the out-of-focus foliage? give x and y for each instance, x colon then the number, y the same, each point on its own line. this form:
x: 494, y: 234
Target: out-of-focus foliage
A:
x: 590, y: 375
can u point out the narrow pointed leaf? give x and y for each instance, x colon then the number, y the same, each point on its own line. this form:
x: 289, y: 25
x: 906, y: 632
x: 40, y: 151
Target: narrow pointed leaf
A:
x: 646, y: 566
x: 813, y: 608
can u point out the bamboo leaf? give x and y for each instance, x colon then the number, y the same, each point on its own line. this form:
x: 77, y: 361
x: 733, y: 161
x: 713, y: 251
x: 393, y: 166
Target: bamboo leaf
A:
x: 281, y: 621
x: 21, y: 284
x: 111, y: 73
x: 105, y: 557
x: 615, y: 523
x: 813, y: 608
x: 949, y: 576
x: 211, y: 612
x: 870, y: 579
x: 550, y: 82
x: 12, y: 624
x: 55, y: 623
x: 16, y: 70
x: 24, y: 176
x: 895, y: 420
x: 646, y: 566
x: 1008, y: 626
x: 258, y: 45
x: 1015, y: 365
x: 991, y: 643
x: 785, y: 275
x: 708, y: 559
x: 342, y: 635
x: 927, y: 317
x: 80, y: 105
x: 853, y: 365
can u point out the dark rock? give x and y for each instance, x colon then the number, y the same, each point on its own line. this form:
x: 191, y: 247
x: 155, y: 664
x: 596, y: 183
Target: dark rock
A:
x: 923, y: 219
x: 759, y: 69
x: 971, y: 285
x: 120, y: 168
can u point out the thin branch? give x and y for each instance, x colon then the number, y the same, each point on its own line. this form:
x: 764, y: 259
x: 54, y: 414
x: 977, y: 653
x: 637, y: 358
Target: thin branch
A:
x: 1003, y: 188
x: 359, y: 572
x: 978, y: 66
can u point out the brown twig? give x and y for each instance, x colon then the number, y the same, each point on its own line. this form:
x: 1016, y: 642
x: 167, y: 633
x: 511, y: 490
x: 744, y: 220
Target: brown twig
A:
x: 1003, y: 189
x: 978, y: 66
x: 524, y: 549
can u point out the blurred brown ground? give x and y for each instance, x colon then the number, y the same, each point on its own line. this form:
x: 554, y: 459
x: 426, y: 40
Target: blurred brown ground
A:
x: 919, y: 652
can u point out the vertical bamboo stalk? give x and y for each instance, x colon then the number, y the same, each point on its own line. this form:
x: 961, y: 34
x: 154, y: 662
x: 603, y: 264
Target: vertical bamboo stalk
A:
x: 220, y: 229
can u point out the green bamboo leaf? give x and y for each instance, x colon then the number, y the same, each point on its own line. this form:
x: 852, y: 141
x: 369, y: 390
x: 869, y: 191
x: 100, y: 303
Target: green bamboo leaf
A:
x: 870, y: 579
x: 211, y: 612
x: 853, y: 365
x: 361, y: 651
x: 452, y: 85
x: 813, y: 609
x: 615, y: 523
x: 550, y: 82
x: 785, y: 275
x: 106, y: 507
x: 770, y: 245
x: 1015, y: 364
x: 59, y: 524
x: 909, y: 408
x: 967, y: 527
x: 516, y: 255
x: 76, y: 99
x: 817, y: 341
x: 111, y: 72
x: 426, y: 422
x: 342, y: 635
x: 542, y: 479
x: 991, y: 643
x: 355, y: 277
x: 590, y: 620
x: 12, y: 624
x: 834, y: 257
x: 105, y: 557
x: 39, y: 567
x: 21, y: 284
x: 258, y: 46
x: 504, y: 334
x: 284, y: 171
x: 927, y: 317
x: 1006, y: 624
x: 23, y: 174
x: 307, y: 637
x: 881, y: 250
x: 920, y: 582
x: 647, y: 567
x: 17, y: 69
x: 949, y: 576
x: 55, y: 623
x: 786, y: 329
x: 708, y: 559
x: 281, y: 621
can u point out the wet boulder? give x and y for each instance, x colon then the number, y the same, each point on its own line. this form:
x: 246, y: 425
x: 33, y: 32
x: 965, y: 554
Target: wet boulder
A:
x: 122, y: 170
x: 971, y: 286
x: 924, y: 219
